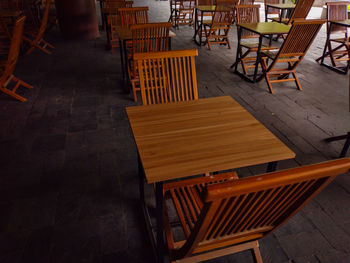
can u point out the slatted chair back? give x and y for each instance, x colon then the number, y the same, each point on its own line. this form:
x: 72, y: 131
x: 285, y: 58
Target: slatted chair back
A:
x: 187, y: 4
x: 300, y: 38
x: 205, y: 2
x: 244, y: 210
x: 337, y: 11
x: 167, y: 76
x: 227, y: 3
x: 301, y: 10
x: 150, y: 37
x: 133, y: 16
x: 271, y: 11
x: 112, y: 7
x: 246, y: 2
x: 247, y: 14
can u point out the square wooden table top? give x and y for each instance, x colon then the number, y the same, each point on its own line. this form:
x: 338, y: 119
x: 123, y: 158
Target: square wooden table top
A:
x: 266, y: 28
x: 181, y: 139
x: 126, y: 34
x: 342, y: 22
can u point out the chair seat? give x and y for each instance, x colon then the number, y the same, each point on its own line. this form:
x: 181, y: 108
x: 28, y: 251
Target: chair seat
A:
x: 255, y: 45
x: 273, y: 54
x: 186, y: 197
x: 277, y: 19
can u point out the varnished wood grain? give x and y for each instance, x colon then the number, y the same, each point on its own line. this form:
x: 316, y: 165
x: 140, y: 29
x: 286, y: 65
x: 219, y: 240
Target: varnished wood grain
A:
x: 186, y: 138
x: 266, y: 28
x: 126, y: 34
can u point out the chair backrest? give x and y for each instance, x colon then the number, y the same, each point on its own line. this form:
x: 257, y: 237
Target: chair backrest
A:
x: 227, y: 3
x: 250, y: 208
x: 223, y: 16
x: 118, y: 4
x: 271, y: 10
x: 167, y: 76
x: 150, y: 37
x: 133, y: 16
x: 301, y: 10
x: 300, y: 38
x: 246, y: 2
x: 14, y: 50
x: 247, y: 14
x: 337, y: 11
x: 187, y: 4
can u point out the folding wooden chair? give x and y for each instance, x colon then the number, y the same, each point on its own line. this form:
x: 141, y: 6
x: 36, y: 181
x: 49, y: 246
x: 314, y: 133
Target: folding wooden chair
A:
x: 246, y: 2
x: 337, y: 11
x: 35, y: 37
x: 185, y: 13
x: 133, y: 16
x: 151, y: 37
x: 227, y: 3
x: 167, y: 76
x: 291, y: 53
x: 271, y: 11
x: 248, y: 14
x: 8, y: 67
x: 221, y: 215
x: 112, y: 16
x: 301, y: 10
x: 216, y: 31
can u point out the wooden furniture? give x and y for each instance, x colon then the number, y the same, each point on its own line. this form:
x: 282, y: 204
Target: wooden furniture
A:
x: 150, y: 37
x: 262, y: 29
x: 300, y: 11
x: 248, y: 14
x: 291, y: 53
x: 281, y: 10
x: 220, y: 215
x: 112, y: 19
x: 125, y: 36
x: 246, y: 2
x: 200, y: 12
x: 273, y: 11
x: 184, y: 14
x: 167, y: 76
x: 35, y: 36
x: 216, y: 30
x: 181, y: 139
x: 133, y: 16
x: 337, y: 34
x: 8, y: 67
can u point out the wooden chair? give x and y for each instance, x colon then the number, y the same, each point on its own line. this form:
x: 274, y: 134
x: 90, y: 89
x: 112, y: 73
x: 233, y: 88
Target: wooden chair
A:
x: 227, y: 3
x: 185, y: 13
x: 246, y: 2
x: 9, y: 4
x: 216, y: 31
x: 301, y: 10
x: 133, y: 16
x: 271, y: 11
x: 35, y: 36
x: 112, y: 17
x: 174, y: 7
x: 248, y: 14
x: 8, y: 67
x: 167, y: 76
x: 220, y: 215
x: 151, y: 37
x: 291, y: 53
x: 337, y: 11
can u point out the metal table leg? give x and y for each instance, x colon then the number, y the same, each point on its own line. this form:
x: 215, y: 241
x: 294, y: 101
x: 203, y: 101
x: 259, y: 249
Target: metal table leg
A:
x: 258, y: 56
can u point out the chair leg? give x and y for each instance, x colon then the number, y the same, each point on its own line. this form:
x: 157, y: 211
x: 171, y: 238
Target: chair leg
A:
x: 296, y: 80
x: 267, y: 78
x: 257, y: 255
x: 133, y: 84
x: 12, y: 92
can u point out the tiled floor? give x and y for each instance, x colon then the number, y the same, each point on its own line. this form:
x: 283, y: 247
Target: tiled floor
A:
x: 68, y: 180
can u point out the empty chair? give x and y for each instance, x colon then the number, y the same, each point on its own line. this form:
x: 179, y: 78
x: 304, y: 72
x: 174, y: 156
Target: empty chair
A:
x: 167, y: 76
x: 248, y: 14
x: 146, y: 38
x: 174, y: 7
x: 133, y: 16
x: 35, y: 36
x: 221, y: 215
x: 301, y: 10
x: 227, y: 3
x: 246, y: 2
x: 276, y: 13
x: 291, y: 53
x: 8, y: 67
x: 185, y: 12
x: 337, y: 11
x: 216, y: 31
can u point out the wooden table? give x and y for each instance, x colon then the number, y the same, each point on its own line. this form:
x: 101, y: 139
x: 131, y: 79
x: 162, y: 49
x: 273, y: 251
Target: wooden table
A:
x: 177, y: 140
x: 198, y: 26
x: 262, y: 29
x: 124, y: 35
x: 342, y: 70
x: 285, y: 9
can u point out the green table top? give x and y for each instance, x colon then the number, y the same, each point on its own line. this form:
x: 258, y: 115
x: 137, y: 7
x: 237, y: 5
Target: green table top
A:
x: 266, y: 28
x: 342, y: 23
x: 206, y: 8
x: 282, y: 6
